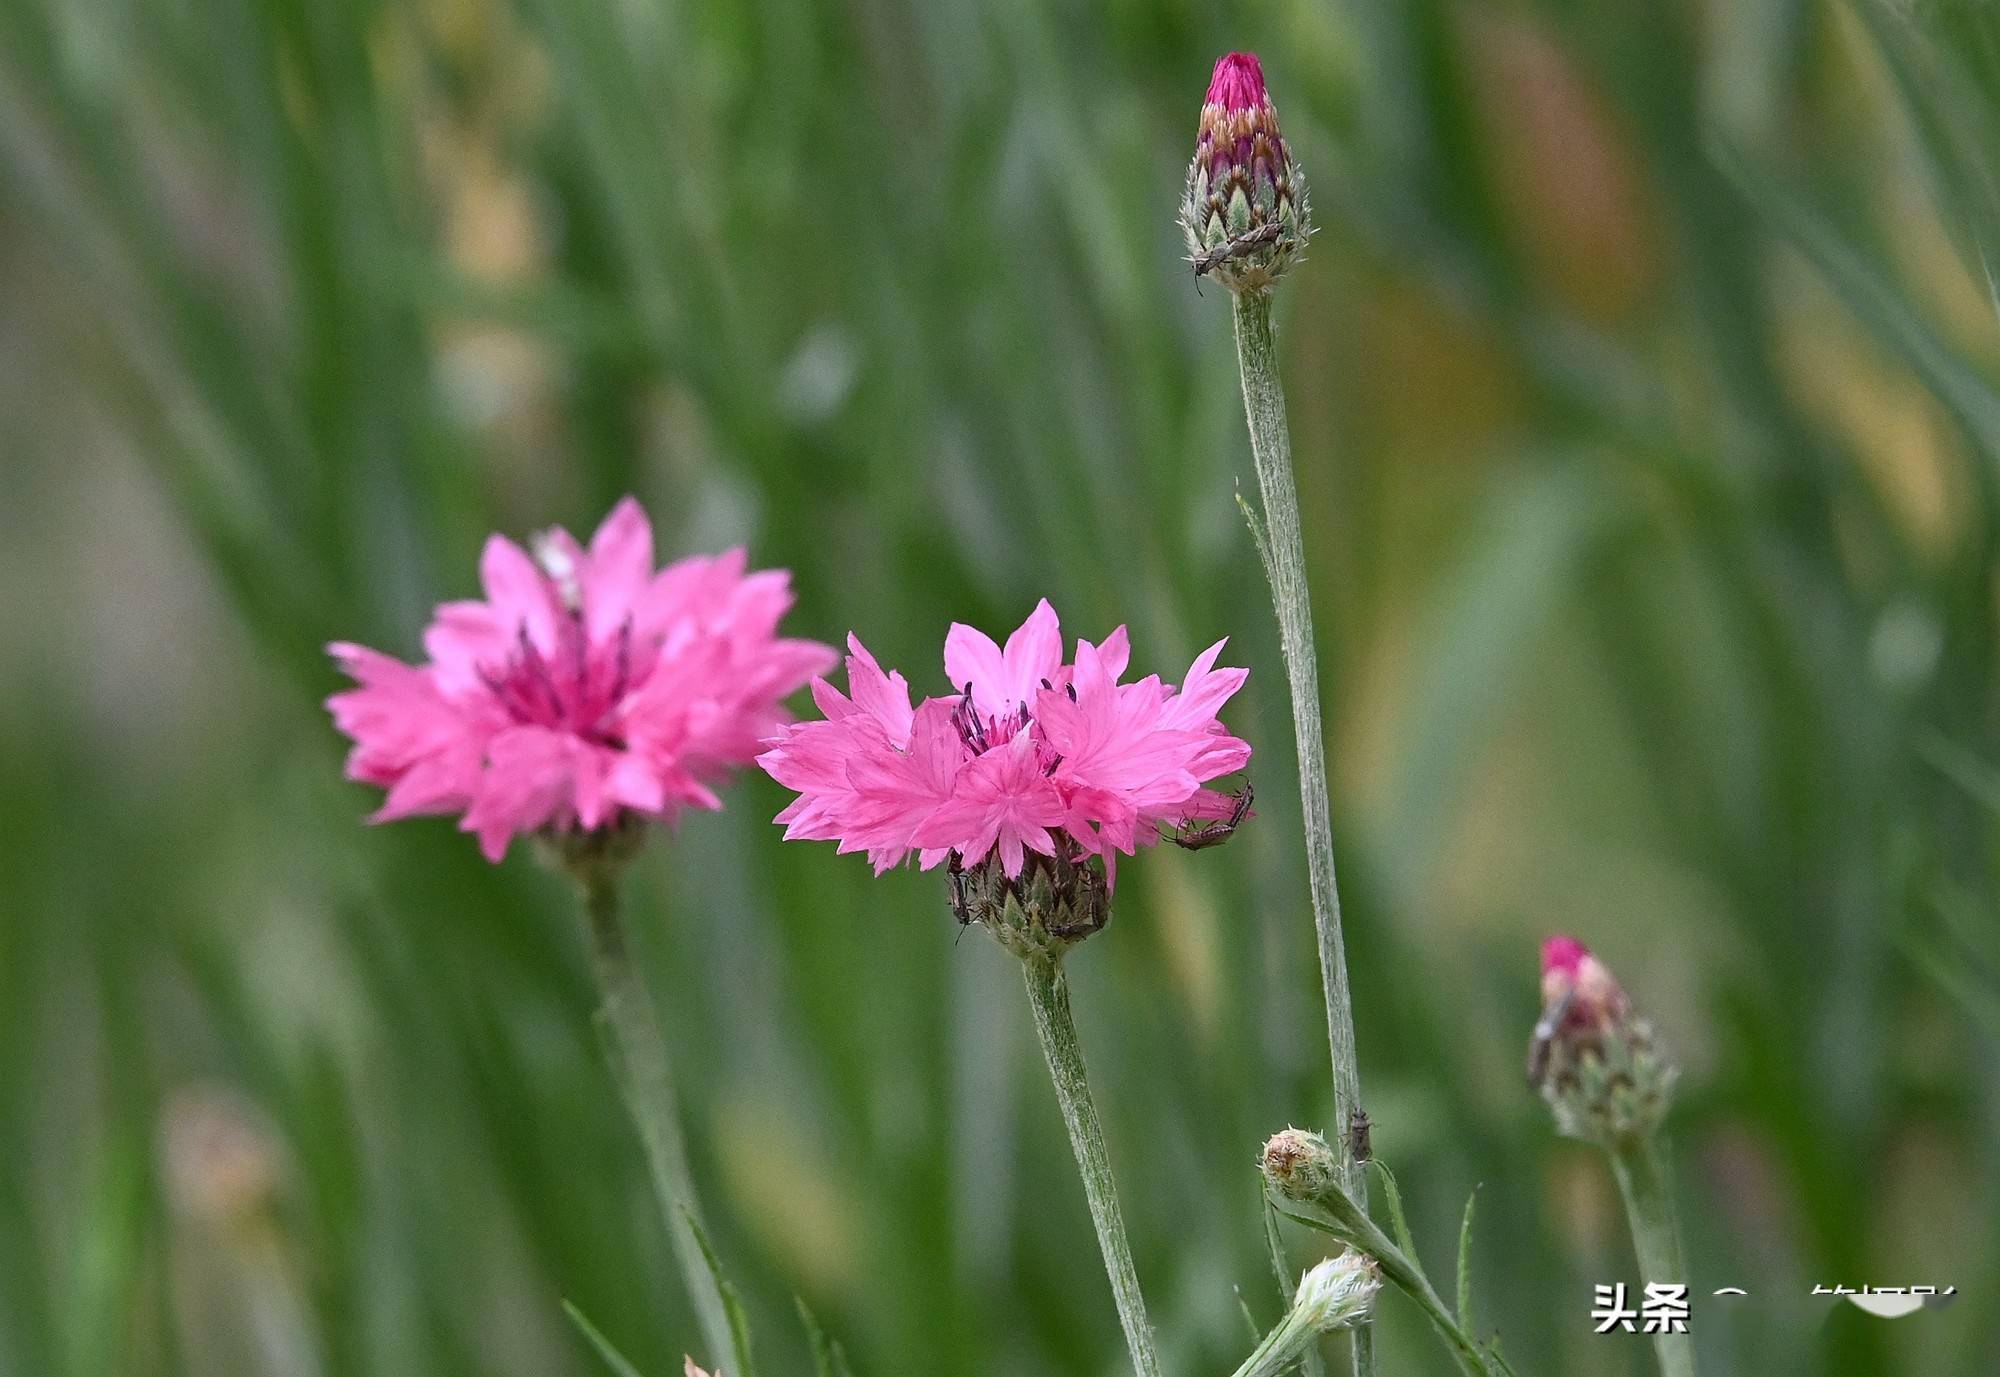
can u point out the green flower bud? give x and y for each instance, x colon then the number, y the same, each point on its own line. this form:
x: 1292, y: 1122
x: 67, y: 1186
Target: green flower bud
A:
x: 1337, y: 1292
x: 1300, y: 1166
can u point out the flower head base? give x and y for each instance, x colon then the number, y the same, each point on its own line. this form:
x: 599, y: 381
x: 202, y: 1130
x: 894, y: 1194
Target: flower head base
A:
x: 1245, y: 214
x: 1592, y: 1058
x: 1030, y: 778
x: 1054, y: 903
x: 584, y: 693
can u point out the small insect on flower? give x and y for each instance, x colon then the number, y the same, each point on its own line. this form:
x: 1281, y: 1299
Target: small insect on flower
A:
x: 1219, y: 831
x: 1240, y: 247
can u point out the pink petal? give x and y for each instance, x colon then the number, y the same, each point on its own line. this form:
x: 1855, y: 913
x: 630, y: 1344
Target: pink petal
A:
x: 617, y: 569
x: 519, y: 591
x: 1116, y: 652
x: 1034, y: 652
x: 971, y: 658
x: 1204, y: 691
x: 884, y: 697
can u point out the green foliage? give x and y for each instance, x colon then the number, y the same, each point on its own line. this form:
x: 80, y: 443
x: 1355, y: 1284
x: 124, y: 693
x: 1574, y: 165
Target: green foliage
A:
x: 1465, y: 1319
x: 732, y: 1305
x: 620, y: 1365
x: 829, y: 1358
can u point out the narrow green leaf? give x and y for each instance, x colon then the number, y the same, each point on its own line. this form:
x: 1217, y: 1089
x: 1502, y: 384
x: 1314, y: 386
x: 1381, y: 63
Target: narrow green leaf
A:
x: 1257, y: 537
x: 1324, y: 1226
x: 829, y: 1359
x: 1275, y: 1246
x: 1399, y: 1224
x: 1249, y: 1320
x: 1309, y: 1364
x: 1465, y: 1262
x: 732, y: 1304
x: 613, y: 1359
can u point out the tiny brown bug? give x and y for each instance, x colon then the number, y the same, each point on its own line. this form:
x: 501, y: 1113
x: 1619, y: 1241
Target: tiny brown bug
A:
x: 1358, y: 1130
x: 1219, y: 831
x: 1240, y: 246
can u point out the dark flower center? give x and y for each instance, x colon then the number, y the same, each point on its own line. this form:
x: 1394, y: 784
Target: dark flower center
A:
x: 577, y: 688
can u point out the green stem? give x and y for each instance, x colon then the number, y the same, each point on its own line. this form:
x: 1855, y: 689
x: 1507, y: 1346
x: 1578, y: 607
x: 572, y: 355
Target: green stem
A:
x: 1333, y: 1295
x: 1048, y: 993
x: 1647, y: 1185
x: 1288, y: 1344
x: 1357, y: 1230
x: 1285, y: 563
x: 638, y: 1055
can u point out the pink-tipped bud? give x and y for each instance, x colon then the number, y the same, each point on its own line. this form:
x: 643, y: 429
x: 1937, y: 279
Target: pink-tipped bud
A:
x: 1239, y: 125
x: 1570, y: 971
x: 1245, y: 213
x: 1591, y: 1057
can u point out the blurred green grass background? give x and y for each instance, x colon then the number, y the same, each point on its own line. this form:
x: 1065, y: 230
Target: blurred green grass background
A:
x: 1644, y: 391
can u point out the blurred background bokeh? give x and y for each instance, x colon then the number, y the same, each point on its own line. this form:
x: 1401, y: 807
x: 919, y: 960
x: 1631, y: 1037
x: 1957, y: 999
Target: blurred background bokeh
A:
x: 1646, y: 391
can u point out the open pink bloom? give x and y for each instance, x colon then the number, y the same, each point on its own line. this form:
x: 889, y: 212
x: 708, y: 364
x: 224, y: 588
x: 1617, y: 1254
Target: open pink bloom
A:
x: 585, y: 687
x: 1028, y: 754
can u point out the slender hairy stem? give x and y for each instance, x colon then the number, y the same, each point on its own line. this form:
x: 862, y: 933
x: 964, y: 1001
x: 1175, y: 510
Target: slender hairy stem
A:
x: 1285, y: 1346
x: 1647, y: 1186
x: 638, y: 1056
x: 1332, y: 1295
x: 1048, y: 993
x: 1270, y: 442
x: 1357, y: 1230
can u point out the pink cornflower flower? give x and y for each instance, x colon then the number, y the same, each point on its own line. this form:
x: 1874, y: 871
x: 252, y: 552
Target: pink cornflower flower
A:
x: 1030, y: 755
x: 586, y: 688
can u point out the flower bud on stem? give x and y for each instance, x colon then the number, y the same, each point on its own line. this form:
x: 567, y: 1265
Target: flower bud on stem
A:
x: 1283, y: 548
x: 1244, y: 212
x: 1334, y: 1294
x: 1302, y: 1169
x: 1594, y: 1061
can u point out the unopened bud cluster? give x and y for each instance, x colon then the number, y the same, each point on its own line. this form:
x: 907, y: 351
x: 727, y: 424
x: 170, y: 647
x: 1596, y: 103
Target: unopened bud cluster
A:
x: 1245, y: 214
x: 1300, y: 1166
x: 1592, y: 1058
x: 1336, y: 1293
x: 1054, y: 903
